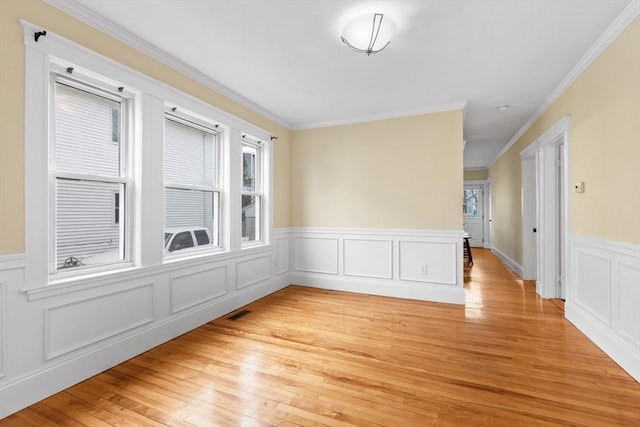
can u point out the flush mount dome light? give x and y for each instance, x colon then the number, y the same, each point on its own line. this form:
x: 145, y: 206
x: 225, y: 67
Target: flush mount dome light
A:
x: 368, y: 34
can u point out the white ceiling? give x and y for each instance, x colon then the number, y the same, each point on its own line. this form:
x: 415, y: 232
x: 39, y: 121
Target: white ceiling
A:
x: 286, y: 58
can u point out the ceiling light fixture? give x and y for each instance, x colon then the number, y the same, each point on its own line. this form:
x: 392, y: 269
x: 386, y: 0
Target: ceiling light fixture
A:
x: 367, y: 35
x: 503, y: 108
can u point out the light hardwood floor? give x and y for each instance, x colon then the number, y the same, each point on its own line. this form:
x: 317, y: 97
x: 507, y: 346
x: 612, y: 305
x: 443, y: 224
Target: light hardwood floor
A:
x: 309, y: 357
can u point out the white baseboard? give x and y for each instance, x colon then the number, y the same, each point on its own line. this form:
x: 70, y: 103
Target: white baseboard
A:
x: 623, y: 353
x: 435, y: 293
x: 514, y: 266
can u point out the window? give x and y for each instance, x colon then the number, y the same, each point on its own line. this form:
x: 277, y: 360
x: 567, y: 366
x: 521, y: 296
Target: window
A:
x: 95, y: 194
x: 252, y: 196
x: 470, y: 203
x: 88, y: 165
x: 191, y: 170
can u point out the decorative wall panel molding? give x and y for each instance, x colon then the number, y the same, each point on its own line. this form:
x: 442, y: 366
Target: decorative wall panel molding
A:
x: 628, y: 301
x: 316, y: 254
x: 3, y: 320
x: 80, y: 323
x: 603, y: 297
x: 197, y: 287
x: 415, y: 264
x: 428, y: 262
x: 368, y: 258
x: 64, y: 333
x: 11, y: 273
x: 252, y: 271
x: 84, y: 331
x: 282, y: 255
x: 594, y: 283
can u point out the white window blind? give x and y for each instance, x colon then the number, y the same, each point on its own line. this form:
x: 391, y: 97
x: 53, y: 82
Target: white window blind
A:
x: 192, y: 193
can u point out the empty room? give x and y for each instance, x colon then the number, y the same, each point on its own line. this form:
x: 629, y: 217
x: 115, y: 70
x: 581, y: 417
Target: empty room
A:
x: 319, y: 213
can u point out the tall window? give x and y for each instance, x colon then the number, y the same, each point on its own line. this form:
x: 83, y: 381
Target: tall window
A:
x: 252, y: 196
x: 88, y: 166
x: 192, y: 192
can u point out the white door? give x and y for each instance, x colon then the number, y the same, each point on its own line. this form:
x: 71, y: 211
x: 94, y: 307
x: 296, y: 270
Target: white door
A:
x: 473, y: 213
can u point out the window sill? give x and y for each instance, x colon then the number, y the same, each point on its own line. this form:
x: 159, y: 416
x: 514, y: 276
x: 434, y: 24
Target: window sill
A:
x: 253, y: 245
x: 70, y: 284
x: 88, y: 281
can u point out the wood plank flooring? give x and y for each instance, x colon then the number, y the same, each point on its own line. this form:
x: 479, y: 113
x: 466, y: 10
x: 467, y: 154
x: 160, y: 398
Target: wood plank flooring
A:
x: 309, y: 357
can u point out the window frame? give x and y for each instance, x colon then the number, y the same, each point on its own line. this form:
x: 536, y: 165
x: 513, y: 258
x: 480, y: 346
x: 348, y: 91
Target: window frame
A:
x: 96, y: 86
x: 216, y: 189
x: 258, y: 191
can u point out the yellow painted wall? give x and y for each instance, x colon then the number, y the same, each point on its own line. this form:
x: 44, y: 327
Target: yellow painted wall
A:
x: 604, y: 152
x: 12, y: 107
x: 476, y: 175
x: 397, y: 173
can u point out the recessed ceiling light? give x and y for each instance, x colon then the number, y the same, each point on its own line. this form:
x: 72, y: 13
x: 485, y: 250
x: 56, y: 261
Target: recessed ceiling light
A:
x: 503, y: 108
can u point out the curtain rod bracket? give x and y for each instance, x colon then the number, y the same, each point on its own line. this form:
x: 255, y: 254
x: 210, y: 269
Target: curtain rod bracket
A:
x: 274, y: 137
x: 38, y: 34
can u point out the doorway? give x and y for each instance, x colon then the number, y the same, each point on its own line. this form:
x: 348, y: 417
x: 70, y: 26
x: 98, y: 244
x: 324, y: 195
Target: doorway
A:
x: 473, y: 213
x: 544, y: 166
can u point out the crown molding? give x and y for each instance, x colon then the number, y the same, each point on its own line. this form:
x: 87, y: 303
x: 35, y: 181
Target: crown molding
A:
x: 623, y: 20
x: 374, y: 117
x: 122, y: 35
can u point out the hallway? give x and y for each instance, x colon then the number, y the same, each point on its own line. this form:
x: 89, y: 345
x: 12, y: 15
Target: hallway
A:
x: 313, y: 357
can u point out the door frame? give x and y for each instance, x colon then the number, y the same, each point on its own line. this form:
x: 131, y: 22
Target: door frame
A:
x: 549, y: 256
x: 486, y: 208
x: 528, y: 167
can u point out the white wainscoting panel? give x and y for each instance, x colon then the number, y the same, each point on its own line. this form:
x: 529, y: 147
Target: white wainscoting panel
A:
x: 80, y: 323
x: 3, y: 317
x: 603, y: 297
x: 429, y: 262
x: 415, y: 264
x: 368, y: 258
x: 593, y: 274
x: 11, y: 268
x: 197, y: 287
x: 282, y: 255
x: 252, y: 271
x: 59, y: 335
x: 629, y: 302
x: 316, y: 254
